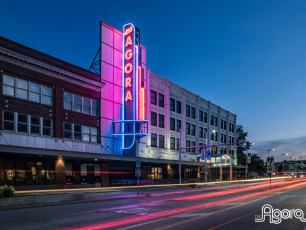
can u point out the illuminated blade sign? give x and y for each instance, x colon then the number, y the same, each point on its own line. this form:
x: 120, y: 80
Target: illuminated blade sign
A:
x: 133, y: 84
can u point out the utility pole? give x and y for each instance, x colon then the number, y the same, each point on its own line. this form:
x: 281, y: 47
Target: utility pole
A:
x: 180, y: 166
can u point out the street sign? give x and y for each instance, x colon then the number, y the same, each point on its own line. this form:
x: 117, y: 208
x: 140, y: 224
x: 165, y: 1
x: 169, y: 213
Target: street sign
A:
x: 208, y: 157
x: 137, y: 172
x: 270, y: 164
x: 203, y: 154
x: 137, y: 163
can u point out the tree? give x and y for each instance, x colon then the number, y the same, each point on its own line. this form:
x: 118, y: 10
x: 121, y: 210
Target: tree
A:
x: 257, y: 164
x: 241, y: 138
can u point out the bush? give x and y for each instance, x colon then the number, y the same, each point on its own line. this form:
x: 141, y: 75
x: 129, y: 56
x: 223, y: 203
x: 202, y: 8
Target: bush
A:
x: 6, y: 191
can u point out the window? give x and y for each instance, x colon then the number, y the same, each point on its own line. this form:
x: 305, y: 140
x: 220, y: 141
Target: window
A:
x: 153, y: 140
x: 35, y: 125
x: 205, y: 117
x: 187, y: 145
x: 161, y: 100
x: 77, y: 132
x: 22, y: 89
x: 172, y: 105
x: 35, y: 92
x: 153, y: 97
x: 216, y: 121
x: 200, y: 115
x: 153, y: 119
x: 200, y: 144
x: 224, y: 125
x: 161, y: 141
x: 8, y: 85
x: 177, y: 143
x: 187, y: 111
x: 67, y: 130
x: 86, y: 105
x: 26, y: 90
x: 205, y: 133
x: 67, y: 101
x: 211, y: 119
x: 161, y: 119
x: 178, y: 107
x: 86, y: 133
x: 233, y: 128
x: 193, y: 112
x: 192, y: 130
x: 187, y: 128
x: 47, y: 127
x: 221, y: 123
x: 22, y: 125
x: 178, y: 125
x: 172, y: 124
x: 193, y: 144
x: 201, y: 132
x: 8, y: 121
x: 212, y: 136
x: 216, y: 136
x: 94, y: 108
x: 77, y: 105
x: 224, y: 138
x: 94, y: 134
x: 47, y: 95
x: 172, y: 143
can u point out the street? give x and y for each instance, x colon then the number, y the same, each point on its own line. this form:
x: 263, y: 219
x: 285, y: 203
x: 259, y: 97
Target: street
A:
x: 224, y: 206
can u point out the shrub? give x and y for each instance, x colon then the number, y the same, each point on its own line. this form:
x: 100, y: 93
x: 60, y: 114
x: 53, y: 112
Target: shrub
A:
x: 6, y: 191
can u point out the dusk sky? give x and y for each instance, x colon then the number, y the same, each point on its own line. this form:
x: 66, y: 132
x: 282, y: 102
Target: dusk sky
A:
x: 246, y: 56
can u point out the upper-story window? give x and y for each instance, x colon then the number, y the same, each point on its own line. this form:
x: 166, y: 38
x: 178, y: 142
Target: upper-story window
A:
x: 80, y: 132
x: 178, y: 107
x: 172, y: 105
x: 29, y: 124
x: 26, y: 90
x: 192, y: 129
x: 187, y: 110
x: 153, y: 97
x: 205, y: 117
x: 211, y: 119
x: 153, y: 140
x: 161, y: 101
x: 192, y: 112
x: 178, y: 125
x: 172, y: 124
x: 161, y: 121
x: 80, y: 104
x: 200, y: 115
x: 153, y: 119
x: 187, y: 128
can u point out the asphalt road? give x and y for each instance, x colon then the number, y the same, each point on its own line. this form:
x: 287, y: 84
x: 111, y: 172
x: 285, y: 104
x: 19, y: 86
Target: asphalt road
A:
x: 231, y: 206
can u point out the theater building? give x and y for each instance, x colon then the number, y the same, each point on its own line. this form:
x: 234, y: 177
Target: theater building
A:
x: 64, y: 126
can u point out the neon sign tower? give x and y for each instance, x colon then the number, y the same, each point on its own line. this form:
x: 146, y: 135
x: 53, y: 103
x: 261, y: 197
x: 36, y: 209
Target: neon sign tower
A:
x: 133, y: 123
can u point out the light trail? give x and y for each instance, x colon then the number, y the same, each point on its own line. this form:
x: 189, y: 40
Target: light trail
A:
x: 221, y: 193
x: 129, y: 220
x: 143, y: 186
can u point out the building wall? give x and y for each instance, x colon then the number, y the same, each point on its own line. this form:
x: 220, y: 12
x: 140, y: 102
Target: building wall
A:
x: 170, y: 90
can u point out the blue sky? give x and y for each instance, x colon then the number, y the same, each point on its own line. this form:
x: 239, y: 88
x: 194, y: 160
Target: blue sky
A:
x: 246, y: 56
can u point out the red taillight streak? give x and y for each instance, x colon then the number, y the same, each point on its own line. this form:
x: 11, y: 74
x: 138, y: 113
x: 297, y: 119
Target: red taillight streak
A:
x: 221, y: 193
x: 124, y: 221
x: 205, y: 189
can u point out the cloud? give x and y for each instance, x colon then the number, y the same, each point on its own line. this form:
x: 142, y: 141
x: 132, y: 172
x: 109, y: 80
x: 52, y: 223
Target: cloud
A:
x: 296, y: 147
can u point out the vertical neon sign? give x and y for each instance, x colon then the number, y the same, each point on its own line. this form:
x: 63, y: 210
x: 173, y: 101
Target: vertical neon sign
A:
x: 133, y: 83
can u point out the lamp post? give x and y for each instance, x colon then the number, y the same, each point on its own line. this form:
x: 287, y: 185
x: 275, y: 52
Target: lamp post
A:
x: 270, y: 150
x: 284, y: 154
x: 212, y: 131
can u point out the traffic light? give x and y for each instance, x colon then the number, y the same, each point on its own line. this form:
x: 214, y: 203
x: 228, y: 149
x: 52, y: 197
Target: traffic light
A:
x: 247, y: 145
x: 214, y: 149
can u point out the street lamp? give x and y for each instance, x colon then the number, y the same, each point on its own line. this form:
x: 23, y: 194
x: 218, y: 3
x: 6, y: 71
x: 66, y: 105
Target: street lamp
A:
x: 211, y: 131
x: 284, y: 154
x: 270, y: 150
